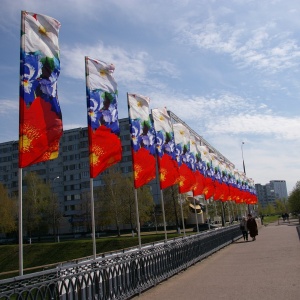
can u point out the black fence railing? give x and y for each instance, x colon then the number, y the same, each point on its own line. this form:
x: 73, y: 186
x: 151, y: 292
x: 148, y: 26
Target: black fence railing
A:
x: 120, y: 275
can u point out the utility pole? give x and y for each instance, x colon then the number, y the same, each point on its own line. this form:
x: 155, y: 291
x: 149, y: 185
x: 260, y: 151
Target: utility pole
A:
x: 244, y: 170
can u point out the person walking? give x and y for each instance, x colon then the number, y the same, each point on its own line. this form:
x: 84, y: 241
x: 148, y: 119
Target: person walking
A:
x: 252, y: 227
x: 244, y: 229
x: 262, y: 219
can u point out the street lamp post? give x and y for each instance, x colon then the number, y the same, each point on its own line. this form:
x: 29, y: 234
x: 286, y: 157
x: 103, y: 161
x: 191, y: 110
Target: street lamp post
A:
x: 243, y: 157
x: 244, y: 169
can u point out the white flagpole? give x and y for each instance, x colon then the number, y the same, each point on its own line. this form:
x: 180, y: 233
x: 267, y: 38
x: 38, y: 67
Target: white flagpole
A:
x: 163, y: 211
x: 20, y: 224
x: 182, y: 218
x: 196, y: 215
x: 91, y: 183
x: 93, y: 218
x: 137, y: 218
x: 20, y: 195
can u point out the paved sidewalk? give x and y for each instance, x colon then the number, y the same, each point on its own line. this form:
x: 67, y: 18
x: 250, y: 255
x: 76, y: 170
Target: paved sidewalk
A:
x: 265, y: 269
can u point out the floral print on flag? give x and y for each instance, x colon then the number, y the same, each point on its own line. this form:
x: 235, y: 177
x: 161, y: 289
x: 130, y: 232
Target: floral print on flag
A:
x: 165, y: 147
x: 40, y: 127
x: 102, y: 114
x: 142, y: 140
x: 185, y: 159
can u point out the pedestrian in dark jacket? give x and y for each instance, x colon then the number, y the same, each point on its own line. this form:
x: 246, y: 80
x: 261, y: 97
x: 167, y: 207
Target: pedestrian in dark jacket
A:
x: 252, y: 227
x: 244, y: 229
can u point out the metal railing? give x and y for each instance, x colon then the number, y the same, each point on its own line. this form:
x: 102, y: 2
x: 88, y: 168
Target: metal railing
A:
x: 122, y: 275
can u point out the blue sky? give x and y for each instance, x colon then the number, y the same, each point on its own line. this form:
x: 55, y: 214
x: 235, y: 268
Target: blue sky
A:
x: 229, y: 69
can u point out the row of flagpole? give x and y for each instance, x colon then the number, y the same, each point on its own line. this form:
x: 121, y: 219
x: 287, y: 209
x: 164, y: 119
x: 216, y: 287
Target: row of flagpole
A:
x: 40, y: 126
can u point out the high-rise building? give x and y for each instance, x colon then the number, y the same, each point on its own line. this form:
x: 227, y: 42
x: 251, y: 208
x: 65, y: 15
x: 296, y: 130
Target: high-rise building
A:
x: 69, y: 174
x: 270, y: 192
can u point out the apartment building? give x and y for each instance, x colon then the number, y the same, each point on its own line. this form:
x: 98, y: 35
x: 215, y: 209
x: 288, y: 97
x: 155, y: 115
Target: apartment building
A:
x: 69, y: 174
x: 270, y: 192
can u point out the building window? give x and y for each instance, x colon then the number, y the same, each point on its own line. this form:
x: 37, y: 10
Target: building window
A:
x: 85, y: 165
x: 85, y: 174
x: 126, y: 169
x: 126, y: 158
x: 126, y: 148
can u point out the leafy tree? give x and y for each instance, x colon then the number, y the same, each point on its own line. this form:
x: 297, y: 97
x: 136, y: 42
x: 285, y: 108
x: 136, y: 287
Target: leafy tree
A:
x: 8, y: 209
x: 172, y: 206
x: 86, y: 209
x: 145, y: 204
x: 212, y: 210
x: 281, y: 206
x: 294, y: 199
x: 115, y: 201
x: 36, y: 201
x: 53, y: 214
x: 110, y: 194
x: 260, y: 209
x: 270, y: 209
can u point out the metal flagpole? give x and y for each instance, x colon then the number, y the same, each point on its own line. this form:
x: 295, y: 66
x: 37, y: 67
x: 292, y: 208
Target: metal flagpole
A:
x: 20, y: 224
x: 20, y: 195
x: 182, y: 218
x: 244, y: 170
x: 163, y: 211
x: 137, y: 218
x: 196, y: 215
x: 93, y: 218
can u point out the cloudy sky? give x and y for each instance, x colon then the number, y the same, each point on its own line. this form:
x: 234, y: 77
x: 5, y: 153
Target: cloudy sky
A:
x: 228, y: 68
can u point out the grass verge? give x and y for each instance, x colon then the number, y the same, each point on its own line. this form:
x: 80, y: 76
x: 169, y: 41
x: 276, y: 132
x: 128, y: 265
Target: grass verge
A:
x: 42, y: 254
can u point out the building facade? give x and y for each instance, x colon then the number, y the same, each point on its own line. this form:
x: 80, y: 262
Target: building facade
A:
x: 69, y: 175
x: 270, y: 192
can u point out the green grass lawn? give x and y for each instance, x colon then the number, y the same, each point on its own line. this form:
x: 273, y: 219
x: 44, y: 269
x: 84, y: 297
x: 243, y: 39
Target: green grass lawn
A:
x: 41, y: 254
x: 270, y: 219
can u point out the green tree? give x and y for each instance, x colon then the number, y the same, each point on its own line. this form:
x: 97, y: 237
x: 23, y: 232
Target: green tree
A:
x: 110, y: 194
x: 8, y: 209
x: 270, y: 209
x: 115, y: 201
x: 52, y: 213
x: 36, y: 202
x: 145, y: 203
x: 281, y: 206
x: 172, y: 206
x: 294, y: 199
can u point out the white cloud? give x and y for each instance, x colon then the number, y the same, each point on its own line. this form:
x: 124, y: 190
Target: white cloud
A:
x: 258, y: 48
x: 264, y: 158
x: 130, y: 66
x: 229, y: 114
x: 279, y: 127
x: 9, y: 106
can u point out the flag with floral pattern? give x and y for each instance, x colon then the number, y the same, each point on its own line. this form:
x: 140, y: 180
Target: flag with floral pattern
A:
x: 142, y: 140
x: 238, y: 187
x: 165, y: 147
x: 40, y: 119
x: 102, y: 114
x: 199, y: 177
x: 225, y: 180
x: 185, y: 159
x: 222, y: 188
x: 217, y: 177
x: 252, y: 191
x: 209, y: 187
